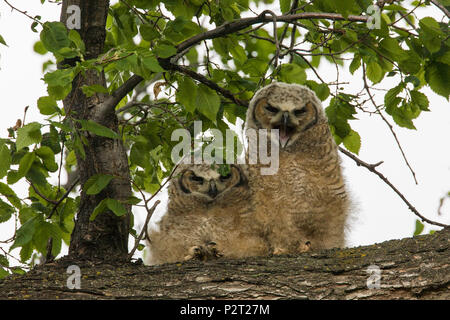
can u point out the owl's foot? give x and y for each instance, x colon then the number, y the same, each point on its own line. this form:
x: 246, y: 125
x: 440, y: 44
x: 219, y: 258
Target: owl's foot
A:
x: 279, y: 250
x: 304, y: 247
x: 204, y: 253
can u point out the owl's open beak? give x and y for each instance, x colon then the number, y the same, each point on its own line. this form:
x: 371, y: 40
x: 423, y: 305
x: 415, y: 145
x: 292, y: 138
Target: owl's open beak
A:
x: 212, y: 192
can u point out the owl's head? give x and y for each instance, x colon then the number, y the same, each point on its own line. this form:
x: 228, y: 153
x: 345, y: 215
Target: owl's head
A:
x: 203, y: 183
x: 290, y: 108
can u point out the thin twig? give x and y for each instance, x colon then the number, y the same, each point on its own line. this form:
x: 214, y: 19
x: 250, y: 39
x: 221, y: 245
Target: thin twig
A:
x: 138, y: 239
x: 25, y: 13
x: 441, y: 7
x: 391, y: 128
x: 57, y: 203
x: 372, y: 168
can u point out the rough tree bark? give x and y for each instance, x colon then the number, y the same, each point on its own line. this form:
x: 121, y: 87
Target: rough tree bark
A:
x: 411, y: 268
x: 107, y: 236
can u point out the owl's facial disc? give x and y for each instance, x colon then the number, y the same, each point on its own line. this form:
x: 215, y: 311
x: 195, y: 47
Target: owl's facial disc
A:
x: 208, y: 184
x: 290, y: 118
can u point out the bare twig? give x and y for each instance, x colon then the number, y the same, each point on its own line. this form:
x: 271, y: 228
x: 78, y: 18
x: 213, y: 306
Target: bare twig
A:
x: 441, y: 7
x: 391, y: 128
x: 144, y: 228
x: 57, y: 203
x: 275, y: 36
x: 54, y: 202
x: 25, y: 13
x: 372, y: 168
x: 167, y: 64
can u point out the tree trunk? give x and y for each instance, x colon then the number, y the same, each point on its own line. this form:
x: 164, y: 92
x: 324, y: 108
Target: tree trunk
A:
x: 107, y: 236
x: 411, y: 268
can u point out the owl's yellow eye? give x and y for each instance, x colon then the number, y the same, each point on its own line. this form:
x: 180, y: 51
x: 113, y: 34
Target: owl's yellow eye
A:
x: 271, y: 109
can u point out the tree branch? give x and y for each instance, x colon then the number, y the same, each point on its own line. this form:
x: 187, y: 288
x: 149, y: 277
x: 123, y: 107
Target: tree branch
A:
x: 223, y: 30
x: 372, y: 168
x: 168, y: 65
x: 441, y: 7
x: 366, y: 87
x: 237, y: 25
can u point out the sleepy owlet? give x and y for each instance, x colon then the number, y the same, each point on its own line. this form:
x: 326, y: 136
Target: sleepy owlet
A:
x: 304, y: 205
x: 205, y: 217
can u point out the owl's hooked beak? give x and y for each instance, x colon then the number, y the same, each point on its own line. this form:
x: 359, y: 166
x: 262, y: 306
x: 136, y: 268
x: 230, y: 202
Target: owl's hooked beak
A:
x: 284, y: 129
x: 212, y: 192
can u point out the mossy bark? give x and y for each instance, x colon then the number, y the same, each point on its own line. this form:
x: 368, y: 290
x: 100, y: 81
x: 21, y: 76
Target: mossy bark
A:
x: 411, y: 268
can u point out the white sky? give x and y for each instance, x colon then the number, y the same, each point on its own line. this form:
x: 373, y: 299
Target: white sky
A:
x: 379, y: 215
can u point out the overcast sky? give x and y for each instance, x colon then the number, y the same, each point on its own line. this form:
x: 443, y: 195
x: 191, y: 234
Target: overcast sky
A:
x: 379, y: 213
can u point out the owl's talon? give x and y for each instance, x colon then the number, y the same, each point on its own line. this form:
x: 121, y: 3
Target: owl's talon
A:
x: 305, y: 247
x: 278, y: 251
x: 204, y: 253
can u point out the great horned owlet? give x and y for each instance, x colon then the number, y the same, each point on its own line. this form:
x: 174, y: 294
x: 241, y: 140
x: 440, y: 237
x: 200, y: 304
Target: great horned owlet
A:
x: 304, y: 205
x: 205, y: 217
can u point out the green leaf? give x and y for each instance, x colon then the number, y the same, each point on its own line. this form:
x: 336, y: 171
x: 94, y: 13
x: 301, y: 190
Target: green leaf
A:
x: 374, y: 72
x: 3, y: 272
x: 322, y: 90
x: 48, y: 158
x: 38, y: 47
x: 25, y: 163
x: 5, y: 159
x: 97, y: 183
x: 152, y: 64
x: 10, y: 195
x: 419, y: 99
x: 392, y: 47
x: 438, y: 77
x: 430, y: 34
x: 89, y: 91
x: 419, y: 228
x: 285, y: 5
x: 208, y: 102
x: 149, y: 32
x: 54, y: 36
x: 390, y: 98
x: 5, y: 211
x: 98, y: 129
x: 2, y: 41
x: 133, y: 200
x: 28, y: 134
x: 165, y: 51
x: 25, y: 233
x: 238, y: 52
x: 26, y: 251
x: 403, y: 115
x: 292, y: 73
x: 445, y: 58
x: 187, y: 93
x: 100, y: 208
x: 352, y: 142
x: 47, y: 105
x: 355, y: 64
x: 116, y: 207
x: 75, y: 37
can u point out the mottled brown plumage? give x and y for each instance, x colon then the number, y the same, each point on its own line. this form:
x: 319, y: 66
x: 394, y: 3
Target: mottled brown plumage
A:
x: 305, y: 204
x: 205, y: 215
